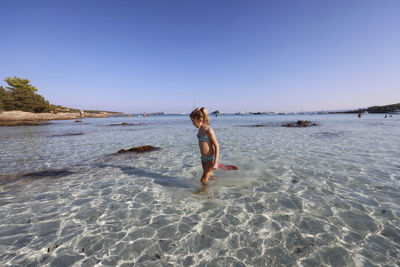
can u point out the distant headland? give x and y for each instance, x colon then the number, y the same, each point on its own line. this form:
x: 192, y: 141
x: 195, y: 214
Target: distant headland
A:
x: 393, y: 108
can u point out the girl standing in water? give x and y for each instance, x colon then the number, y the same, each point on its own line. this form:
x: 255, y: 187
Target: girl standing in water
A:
x: 208, y: 143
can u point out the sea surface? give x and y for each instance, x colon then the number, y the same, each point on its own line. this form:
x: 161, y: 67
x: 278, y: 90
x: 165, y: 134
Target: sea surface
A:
x: 326, y: 195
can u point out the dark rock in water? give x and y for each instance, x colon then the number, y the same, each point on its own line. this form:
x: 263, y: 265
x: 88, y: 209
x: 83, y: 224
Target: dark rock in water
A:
x: 21, y: 123
x: 48, y: 173
x: 123, y: 124
x: 67, y: 134
x: 254, y: 125
x: 157, y: 256
x: 78, y: 121
x: 299, y: 123
x: 305, y: 123
x: 140, y: 149
x: 41, y: 174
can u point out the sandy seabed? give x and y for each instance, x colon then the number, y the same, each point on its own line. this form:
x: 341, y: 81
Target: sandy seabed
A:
x: 319, y: 196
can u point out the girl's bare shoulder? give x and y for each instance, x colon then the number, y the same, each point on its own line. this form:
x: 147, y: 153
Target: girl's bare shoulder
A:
x: 207, y: 128
x: 210, y: 130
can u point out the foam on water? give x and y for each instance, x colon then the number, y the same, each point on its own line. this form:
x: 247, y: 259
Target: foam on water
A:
x: 325, y: 195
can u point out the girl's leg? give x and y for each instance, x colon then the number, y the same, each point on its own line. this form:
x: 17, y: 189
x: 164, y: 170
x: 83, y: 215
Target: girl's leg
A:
x: 205, y: 177
x: 207, y: 171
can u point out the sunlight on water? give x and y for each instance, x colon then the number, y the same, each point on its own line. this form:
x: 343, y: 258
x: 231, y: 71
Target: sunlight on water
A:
x: 323, y: 195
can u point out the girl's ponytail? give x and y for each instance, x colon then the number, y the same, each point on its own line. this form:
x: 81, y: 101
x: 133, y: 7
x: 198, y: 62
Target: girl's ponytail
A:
x: 205, y: 115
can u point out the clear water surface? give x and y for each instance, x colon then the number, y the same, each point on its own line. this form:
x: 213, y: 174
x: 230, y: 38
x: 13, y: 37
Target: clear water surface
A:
x: 326, y: 195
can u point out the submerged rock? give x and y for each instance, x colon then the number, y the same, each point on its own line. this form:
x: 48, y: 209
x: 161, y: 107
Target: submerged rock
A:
x: 21, y: 123
x: 259, y: 125
x: 49, y: 173
x: 39, y: 174
x: 300, y: 123
x: 139, y: 149
x: 123, y: 124
x: 66, y: 134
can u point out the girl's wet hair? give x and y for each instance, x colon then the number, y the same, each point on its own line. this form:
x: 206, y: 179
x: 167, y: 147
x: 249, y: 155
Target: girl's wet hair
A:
x: 200, y: 113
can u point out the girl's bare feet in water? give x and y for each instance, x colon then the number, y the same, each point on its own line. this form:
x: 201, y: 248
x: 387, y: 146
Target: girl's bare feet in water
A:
x: 206, y: 180
x: 204, y: 186
x: 202, y: 190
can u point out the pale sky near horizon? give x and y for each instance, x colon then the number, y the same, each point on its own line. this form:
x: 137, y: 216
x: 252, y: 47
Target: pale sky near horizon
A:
x: 158, y: 55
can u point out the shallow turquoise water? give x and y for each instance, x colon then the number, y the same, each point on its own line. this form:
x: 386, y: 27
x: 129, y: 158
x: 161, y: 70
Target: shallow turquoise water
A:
x: 324, y: 195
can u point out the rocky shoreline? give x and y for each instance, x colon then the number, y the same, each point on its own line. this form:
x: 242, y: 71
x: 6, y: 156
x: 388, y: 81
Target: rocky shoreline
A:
x: 16, y: 118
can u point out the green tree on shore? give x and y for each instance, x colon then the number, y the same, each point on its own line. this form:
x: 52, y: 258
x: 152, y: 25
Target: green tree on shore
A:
x: 18, y: 83
x: 20, y: 95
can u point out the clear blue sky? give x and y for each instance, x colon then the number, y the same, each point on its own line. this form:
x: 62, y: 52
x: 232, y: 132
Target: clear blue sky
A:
x: 166, y: 55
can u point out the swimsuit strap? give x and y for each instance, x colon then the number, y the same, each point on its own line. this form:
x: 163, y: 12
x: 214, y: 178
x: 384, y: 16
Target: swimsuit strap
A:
x: 203, y: 137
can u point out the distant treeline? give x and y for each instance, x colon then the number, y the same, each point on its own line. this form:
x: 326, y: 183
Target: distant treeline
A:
x: 378, y: 109
x: 20, y: 95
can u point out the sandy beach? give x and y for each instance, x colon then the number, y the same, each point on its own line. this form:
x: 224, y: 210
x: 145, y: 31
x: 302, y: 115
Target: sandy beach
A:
x: 15, y: 116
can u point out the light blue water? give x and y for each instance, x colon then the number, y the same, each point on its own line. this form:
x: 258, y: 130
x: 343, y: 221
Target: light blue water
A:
x: 320, y: 196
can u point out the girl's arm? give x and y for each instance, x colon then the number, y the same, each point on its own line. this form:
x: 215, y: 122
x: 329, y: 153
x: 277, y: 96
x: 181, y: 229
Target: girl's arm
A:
x: 214, y: 142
